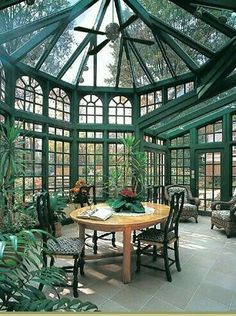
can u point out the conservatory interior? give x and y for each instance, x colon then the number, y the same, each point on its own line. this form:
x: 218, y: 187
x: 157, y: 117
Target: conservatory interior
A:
x: 122, y: 104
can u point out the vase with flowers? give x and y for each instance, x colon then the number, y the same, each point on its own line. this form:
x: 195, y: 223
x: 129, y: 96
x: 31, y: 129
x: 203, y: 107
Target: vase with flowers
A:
x: 75, y: 192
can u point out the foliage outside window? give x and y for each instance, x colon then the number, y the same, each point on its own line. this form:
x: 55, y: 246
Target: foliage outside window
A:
x: 150, y: 102
x: 28, y: 95
x: 183, y: 140
x: 210, y: 133
x: 120, y: 111
x: 90, y: 164
x: 98, y: 135
x: 59, y: 105
x: 31, y: 180
x: 234, y: 127
x: 58, y: 165
x: 2, y: 83
x: 30, y: 126
x: 180, y: 166
x: 177, y: 91
x: 58, y: 131
x: 155, y: 170
x: 90, y: 110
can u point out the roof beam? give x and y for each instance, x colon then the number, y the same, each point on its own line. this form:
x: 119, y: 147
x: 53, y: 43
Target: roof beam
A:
x: 8, y: 3
x: 217, y: 69
x: 223, y: 4
x: 197, y: 113
x: 33, y: 42
x: 168, y: 109
x: 208, y: 18
x: 119, y: 63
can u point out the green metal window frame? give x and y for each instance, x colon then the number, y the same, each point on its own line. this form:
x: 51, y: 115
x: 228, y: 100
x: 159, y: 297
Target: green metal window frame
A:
x: 211, y: 133
x: 31, y: 181
x: 150, y: 101
x: 90, y: 164
x: 59, y: 165
x: 59, y: 105
x: 28, y: 95
x: 180, y: 166
x: 2, y: 82
x: 90, y: 109
x: 155, y: 171
x: 120, y: 111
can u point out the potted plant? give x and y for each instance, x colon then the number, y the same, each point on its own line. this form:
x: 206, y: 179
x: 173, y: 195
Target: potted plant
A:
x: 129, y: 198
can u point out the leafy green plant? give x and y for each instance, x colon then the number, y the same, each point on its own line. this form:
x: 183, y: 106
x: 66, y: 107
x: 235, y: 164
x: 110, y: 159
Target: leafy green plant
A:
x: 22, y: 271
x: 57, y: 204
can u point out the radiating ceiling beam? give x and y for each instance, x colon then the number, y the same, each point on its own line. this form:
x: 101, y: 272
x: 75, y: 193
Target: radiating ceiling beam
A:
x: 165, y: 56
x: 217, y: 69
x: 156, y: 24
x: 50, y: 46
x: 189, y: 62
x: 208, y: 18
x: 141, y: 62
x: 97, y: 24
x: 33, y: 42
x: 223, y: 4
x: 33, y: 26
x: 119, y: 63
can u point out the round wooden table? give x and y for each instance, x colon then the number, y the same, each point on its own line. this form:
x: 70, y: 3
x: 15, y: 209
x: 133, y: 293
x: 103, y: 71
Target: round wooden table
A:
x: 126, y: 224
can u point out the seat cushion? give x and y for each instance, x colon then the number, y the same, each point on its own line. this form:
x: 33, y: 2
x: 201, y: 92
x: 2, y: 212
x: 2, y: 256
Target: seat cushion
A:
x: 154, y: 235
x: 222, y: 214
x: 189, y: 207
x: 66, y: 246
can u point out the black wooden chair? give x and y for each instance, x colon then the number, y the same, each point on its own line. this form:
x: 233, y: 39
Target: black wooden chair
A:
x: 157, y: 242
x: 83, y: 198
x: 61, y: 246
x: 155, y: 194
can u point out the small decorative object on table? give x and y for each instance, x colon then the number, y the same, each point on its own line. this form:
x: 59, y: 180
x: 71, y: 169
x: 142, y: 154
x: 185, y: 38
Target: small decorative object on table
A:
x: 127, y: 201
x: 75, y: 194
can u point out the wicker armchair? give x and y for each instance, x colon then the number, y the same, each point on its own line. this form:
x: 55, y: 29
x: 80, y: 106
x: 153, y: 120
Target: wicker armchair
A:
x: 224, y: 215
x: 190, y: 208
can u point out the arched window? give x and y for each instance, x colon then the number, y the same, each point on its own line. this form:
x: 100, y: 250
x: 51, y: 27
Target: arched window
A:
x: 90, y: 110
x: 120, y: 111
x: 2, y: 83
x: 59, y: 105
x: 28, y: 95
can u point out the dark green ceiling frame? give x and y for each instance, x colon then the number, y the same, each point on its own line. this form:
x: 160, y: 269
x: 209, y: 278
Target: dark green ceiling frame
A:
x: 8, y: 3
x: 207, y: 17
x: 224, y: 4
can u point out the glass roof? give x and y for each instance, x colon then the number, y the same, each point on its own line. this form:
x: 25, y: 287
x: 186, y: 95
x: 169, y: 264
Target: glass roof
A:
x: 148, y: 41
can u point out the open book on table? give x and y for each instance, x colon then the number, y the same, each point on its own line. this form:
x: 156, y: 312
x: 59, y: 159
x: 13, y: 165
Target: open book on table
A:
x: 100, y: 214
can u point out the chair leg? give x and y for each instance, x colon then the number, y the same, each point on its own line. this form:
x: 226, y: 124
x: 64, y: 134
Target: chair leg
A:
x: 134, y: 236
x: 113, y: 240
x: 75, y: 276
x: 95, y: 242
x: 52, y: 261
x: 212, y: 225
x: 154, y: 253
x: 177, y: 262
x: 138, y: 260
x: 166, y: 261
x: 196, y: 219
x: 82, y: 262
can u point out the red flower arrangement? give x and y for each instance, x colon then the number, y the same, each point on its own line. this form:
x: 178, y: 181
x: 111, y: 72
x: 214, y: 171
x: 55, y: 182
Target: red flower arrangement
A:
x: 127, y: 201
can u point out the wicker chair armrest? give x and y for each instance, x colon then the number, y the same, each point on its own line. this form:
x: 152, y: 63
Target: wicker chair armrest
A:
x: 221, y: 203
x: 195, y: 201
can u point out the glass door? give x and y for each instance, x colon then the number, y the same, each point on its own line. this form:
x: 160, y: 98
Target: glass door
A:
x: 208, y: 177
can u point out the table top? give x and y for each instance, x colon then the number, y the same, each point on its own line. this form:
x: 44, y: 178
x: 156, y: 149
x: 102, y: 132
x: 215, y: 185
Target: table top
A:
x: 117, y: 222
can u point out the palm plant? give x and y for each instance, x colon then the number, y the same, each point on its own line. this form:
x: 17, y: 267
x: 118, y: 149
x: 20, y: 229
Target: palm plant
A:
x: 22, y: 271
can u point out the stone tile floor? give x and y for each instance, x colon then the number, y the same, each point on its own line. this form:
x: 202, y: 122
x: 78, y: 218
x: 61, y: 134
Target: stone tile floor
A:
x: 207, y: 282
